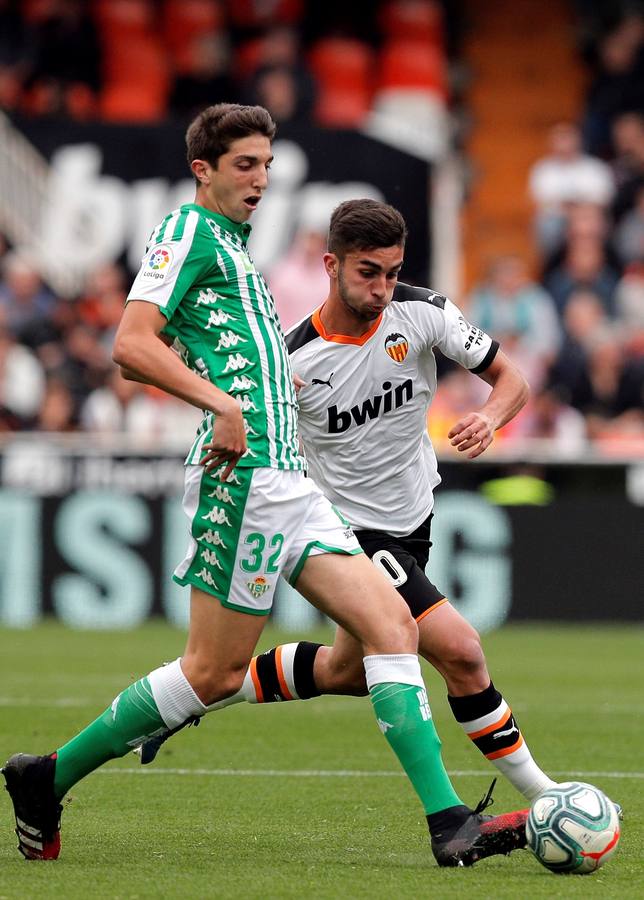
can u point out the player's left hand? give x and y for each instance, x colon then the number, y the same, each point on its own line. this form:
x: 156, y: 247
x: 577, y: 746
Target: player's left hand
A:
x: 474, y: 432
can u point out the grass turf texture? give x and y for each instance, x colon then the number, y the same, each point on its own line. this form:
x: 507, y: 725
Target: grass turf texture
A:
x: 214, y: 829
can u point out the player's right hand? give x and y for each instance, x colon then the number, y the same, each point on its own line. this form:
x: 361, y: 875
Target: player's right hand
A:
x: 228, y: 443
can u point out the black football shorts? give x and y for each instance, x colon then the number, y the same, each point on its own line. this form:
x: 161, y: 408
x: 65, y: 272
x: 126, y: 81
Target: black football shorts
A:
x: 403, y: 561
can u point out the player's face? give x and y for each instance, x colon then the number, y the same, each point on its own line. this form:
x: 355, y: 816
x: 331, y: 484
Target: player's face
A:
x: 236, y: 186
x: 366, y: 280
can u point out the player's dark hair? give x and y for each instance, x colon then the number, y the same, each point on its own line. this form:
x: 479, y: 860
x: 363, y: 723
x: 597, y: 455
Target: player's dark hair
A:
x: 365, y: 225
x: 212, y: 132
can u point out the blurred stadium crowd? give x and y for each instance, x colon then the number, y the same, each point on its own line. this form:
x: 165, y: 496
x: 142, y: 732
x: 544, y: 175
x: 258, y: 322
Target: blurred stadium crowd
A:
x: 576, y: 326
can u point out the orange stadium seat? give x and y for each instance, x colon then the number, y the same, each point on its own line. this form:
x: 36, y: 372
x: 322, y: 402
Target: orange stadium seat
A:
x: 141, y: 59
x: 343, y: 69
x: 120, y: 19
x: 184, y: 21
x: 412, y: 20
x: 337, y: 60
x: 416, y: 64
x: 121, y: 102
x: 251, y: 14
x: 342, y: 107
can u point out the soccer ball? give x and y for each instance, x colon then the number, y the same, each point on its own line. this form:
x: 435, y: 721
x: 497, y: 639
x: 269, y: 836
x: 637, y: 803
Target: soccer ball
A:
x: 573, y: 827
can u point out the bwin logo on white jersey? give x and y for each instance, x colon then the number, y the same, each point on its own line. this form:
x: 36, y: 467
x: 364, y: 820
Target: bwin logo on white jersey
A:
x: 340, y: 420
x: 235, y: 362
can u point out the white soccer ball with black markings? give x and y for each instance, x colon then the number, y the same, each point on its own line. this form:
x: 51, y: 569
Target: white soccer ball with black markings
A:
x: 573, y: 827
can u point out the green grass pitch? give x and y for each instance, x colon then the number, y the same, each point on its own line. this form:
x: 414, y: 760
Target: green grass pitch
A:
x: 306, y: 799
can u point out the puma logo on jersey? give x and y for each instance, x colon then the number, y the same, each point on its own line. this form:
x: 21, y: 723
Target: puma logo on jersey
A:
x: 320, y: 381
x: 340, y: 420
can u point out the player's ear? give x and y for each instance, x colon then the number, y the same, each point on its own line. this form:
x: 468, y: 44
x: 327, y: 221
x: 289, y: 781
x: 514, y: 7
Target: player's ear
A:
x: 331, y: 264
x: 201, y: 170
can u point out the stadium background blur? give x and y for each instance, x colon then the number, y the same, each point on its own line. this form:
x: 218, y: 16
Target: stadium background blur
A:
x: 519, y: 165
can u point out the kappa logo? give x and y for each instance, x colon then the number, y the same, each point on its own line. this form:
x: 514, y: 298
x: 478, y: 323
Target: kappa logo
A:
x: 320, y: 381
x: 246, y: 403
x: 214, y: 538
x: 242, y: 383
x: 211, y: 558
x: 228, y: 339
x: 397, y: 346
x: 217, y: 516
x: 384, y: 726
x: 393, y: 398
x: 222, y: 494
x: 236, y: 362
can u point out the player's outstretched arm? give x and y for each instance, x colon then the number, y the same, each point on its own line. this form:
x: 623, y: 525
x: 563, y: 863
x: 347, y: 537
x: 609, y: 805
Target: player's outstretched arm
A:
x: 139, y: 348
x: 475, y: 431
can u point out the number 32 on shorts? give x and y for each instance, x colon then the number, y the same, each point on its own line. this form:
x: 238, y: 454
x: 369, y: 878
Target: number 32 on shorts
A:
x: 258, y: 550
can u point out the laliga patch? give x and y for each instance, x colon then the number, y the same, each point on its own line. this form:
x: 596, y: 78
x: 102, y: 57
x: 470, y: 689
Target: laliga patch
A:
x: 157, y: 264
x: 397, y: 346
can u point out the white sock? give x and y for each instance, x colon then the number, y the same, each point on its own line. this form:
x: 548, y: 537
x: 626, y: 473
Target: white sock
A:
x: 173, y: 695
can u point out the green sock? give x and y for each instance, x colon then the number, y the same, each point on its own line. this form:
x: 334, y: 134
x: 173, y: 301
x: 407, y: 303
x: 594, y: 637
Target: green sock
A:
x: 405, y: 719
x: 132, y: 716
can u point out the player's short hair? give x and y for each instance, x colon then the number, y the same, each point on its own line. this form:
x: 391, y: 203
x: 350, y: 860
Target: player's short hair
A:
x: 212, y: 132
x: 365, y: 225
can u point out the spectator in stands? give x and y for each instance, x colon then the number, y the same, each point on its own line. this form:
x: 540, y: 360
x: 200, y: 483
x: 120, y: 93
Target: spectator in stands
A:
x: 519, y: 313
x: 16, y: 54
x: 208, y: 79
x: 618, y: 84
x: 127, y: 407
x: 280, y: 90
x: 584, y: 265
x: 58, y: 410
x: 67, y: 55
x: 629, y: 234
x: 615, y: 385
x: 566, y: 176
x: 280, y: 80
x: 86, y: 363
x: 23, y: 296
x: 549, y: 417
x: 101, y: 305
x: 299, y: 280
x: 629, y: 303
x: 628, y: 164
x: 584, y: 319
x: 119, y: 406
x: 21, y: 382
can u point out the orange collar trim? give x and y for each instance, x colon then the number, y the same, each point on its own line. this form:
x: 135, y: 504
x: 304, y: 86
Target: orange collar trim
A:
x: 316, y: 321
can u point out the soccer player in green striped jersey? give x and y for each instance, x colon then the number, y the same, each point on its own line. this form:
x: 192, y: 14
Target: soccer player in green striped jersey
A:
x: 200, y: 324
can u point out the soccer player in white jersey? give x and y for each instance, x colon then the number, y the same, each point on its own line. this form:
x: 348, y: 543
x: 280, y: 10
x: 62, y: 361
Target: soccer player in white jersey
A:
x: 253, y: 513
x: 366, y: 361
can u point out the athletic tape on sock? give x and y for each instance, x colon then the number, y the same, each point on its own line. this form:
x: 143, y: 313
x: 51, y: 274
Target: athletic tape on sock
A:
x: 400, y: 668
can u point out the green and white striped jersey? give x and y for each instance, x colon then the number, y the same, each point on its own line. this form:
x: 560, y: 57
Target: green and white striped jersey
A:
x: 222, y: 318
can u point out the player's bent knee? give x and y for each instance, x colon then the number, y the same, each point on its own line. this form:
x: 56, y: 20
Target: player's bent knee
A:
x: 211, y: 682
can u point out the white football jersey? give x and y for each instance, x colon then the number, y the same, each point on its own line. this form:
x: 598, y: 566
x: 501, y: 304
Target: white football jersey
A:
x: 363, y: 410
